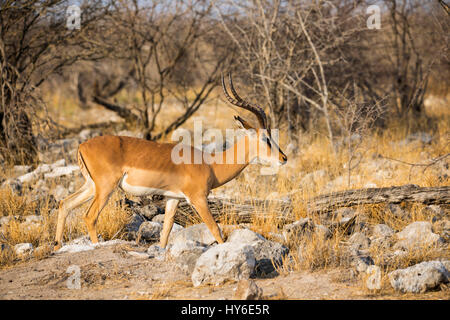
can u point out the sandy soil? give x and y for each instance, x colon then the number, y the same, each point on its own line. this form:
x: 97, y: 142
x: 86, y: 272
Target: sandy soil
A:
x: 110, y: 272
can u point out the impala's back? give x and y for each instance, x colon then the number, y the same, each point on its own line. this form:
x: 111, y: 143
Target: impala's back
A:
x: 140, y: 167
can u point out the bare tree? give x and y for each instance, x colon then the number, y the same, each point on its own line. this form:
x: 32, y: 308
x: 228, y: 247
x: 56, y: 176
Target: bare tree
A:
x: 35, y: 43
x: 294, y: 51
x: 409, y: 81
x: 170, y: 55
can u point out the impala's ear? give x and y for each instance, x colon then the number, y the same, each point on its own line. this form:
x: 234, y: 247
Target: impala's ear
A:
x: 242, y: 123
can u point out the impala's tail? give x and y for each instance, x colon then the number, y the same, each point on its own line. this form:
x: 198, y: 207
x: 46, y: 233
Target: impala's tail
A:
x: 83, y: 168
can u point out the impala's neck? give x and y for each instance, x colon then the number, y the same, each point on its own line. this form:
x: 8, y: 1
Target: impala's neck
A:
x: 233, y: 161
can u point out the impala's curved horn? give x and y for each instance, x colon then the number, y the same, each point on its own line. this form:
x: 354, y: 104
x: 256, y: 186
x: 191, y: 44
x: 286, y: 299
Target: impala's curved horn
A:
x: 239, y: 102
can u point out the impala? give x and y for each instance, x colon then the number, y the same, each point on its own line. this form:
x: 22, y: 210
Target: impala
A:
x: 141, y: 168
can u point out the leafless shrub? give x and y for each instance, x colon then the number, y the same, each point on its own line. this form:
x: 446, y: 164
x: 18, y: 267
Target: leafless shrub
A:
x: 354, y: 118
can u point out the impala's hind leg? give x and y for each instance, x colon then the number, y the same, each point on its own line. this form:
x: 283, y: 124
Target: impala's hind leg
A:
x: 84, y: 194
x: 100, y: 200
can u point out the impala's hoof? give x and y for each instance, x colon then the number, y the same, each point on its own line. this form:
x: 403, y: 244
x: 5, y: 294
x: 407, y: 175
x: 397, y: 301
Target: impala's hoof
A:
x: 56, y: 246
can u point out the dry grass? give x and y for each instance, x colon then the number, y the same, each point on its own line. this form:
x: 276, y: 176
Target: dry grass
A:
x: 110, y: 224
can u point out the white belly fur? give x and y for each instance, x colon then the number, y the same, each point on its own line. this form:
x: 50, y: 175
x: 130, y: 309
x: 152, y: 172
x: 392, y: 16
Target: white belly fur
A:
x: 140, y: 191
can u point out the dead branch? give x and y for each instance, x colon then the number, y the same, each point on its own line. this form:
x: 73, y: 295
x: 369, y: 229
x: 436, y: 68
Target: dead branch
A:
x: 425, y: 165
x: 121, y: 111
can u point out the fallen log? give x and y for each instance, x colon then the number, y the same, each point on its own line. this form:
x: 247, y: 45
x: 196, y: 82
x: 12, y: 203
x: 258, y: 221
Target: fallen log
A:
x: 64, y: 132
x: 282, y: 210
x: 122, y: 112
x: 406, y: 193
x: 237, y: 211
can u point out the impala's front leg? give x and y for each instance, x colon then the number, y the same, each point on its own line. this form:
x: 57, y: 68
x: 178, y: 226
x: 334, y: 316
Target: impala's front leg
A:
x: 200, y: 204
x: 169, y: 214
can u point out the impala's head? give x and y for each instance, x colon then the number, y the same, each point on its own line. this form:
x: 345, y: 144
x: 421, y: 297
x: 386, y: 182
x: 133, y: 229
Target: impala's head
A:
x: 266, y: 148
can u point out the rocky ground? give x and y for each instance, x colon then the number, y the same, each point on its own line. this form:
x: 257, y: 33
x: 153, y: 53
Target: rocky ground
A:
x: 111, y: 272
x: 194, y: 267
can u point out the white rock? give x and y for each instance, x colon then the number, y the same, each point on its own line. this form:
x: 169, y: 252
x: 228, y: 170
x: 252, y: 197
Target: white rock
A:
x: 85, y: 240
x: 113, y: 242
x: 198, y: 232
x: 359, y: 240
x: 268, y: 254
x: 73, y: 248
x: 28, y: 177
x: 185, y: 255
x: 244, y: 236
x: 59, y: 166
x: 420, y: 277
x: 176, y: 227
x: 149, y: 231
x: 180, y: 248
x: 21, y: 169
x: 61, y: 171
x: 298, y: 228
x: 226, y: 261
x: 382, y: 231
x: 360, y: 260
x: 13, y: 184
x: 417, y: 235
x: 34, y: 219
x: 59, y: 163
x: 86, y: 134
x: 43, y: 168
x: 23, y: 248
x: 159, y: 218
x: 139, y: 255
x: 155, y: 251
x: 127, y: 133
x: 84, y: 244
x: 397, y: 211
